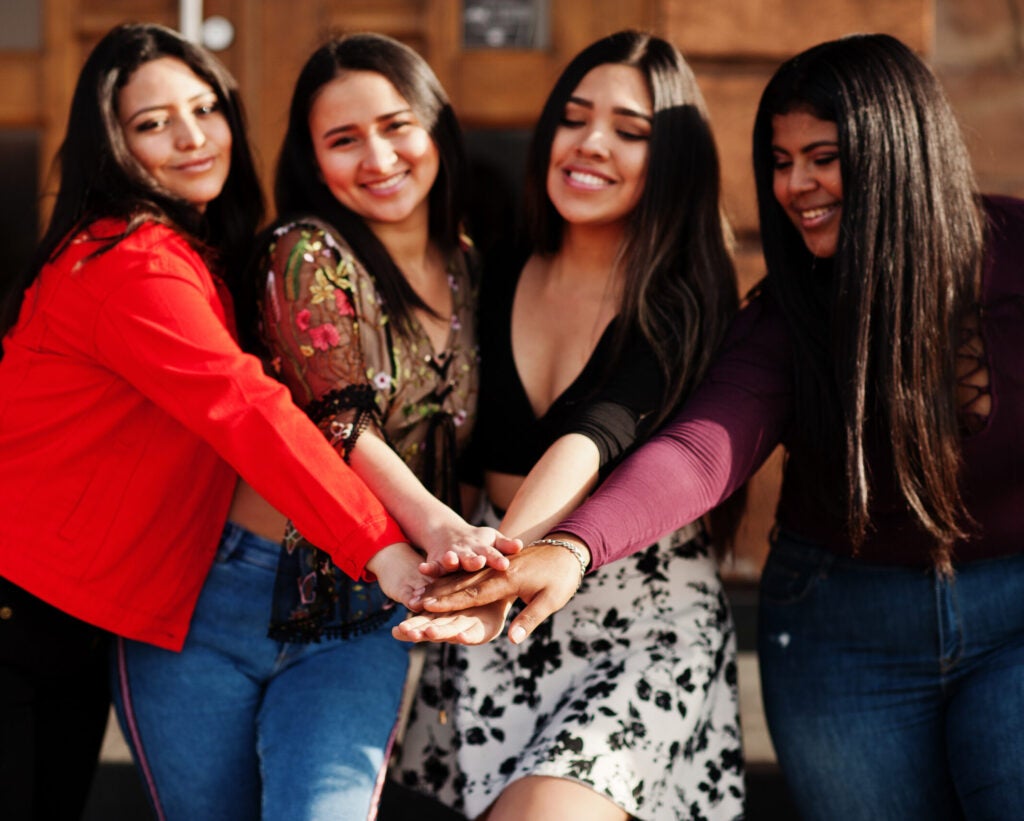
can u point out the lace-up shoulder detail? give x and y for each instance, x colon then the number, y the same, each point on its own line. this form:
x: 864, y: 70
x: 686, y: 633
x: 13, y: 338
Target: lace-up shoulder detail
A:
x: 973, y: 384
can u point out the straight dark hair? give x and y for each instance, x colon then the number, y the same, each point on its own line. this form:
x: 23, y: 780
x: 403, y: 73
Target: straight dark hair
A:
x: 299, y: 189
x: 680, y: 283
x: 99, y: 176
x: 876, y: 332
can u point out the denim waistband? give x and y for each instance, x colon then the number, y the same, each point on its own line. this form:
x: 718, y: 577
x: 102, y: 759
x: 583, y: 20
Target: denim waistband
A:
x: 238, y: 541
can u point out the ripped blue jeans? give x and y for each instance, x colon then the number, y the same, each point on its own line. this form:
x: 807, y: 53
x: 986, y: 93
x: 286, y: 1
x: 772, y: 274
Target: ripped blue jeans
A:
x: 890, y: 692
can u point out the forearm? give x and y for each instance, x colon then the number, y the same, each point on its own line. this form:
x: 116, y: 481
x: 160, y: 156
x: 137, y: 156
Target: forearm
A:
x: 678, y: 476
x: 420, y: 514
x: 555, y: 486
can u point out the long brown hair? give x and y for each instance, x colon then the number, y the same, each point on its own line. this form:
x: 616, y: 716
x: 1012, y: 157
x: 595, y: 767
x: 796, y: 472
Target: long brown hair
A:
x: 680, y: 289
x: 876, y: 337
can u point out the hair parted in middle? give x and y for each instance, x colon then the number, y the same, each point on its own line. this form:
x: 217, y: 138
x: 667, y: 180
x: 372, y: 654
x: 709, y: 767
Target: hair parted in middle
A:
x: 99, y: 176
x: 876, y: 328
x: 299, y: 189
x: 680, y: 284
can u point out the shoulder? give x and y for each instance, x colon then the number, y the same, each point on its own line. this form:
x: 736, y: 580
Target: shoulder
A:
x: 759, y: 325
x: 1005, y: 244
x: 311, y: 234
x: 1005, y: 217
x: 152, y: 248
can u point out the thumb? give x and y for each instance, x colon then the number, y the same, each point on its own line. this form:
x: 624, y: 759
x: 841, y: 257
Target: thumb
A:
x: 540, y: 607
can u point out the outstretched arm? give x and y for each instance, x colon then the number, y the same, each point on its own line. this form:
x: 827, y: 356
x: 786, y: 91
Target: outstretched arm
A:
x: 723, y: 434
x: 560, y: 480
x: 315, y: 300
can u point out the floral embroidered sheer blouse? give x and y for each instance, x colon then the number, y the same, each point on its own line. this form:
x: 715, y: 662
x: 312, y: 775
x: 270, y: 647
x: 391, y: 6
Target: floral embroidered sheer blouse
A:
x: 331, y: 341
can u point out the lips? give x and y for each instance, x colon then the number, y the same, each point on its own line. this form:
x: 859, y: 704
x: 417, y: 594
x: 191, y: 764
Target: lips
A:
x: 812, y: 217
x: 586, y: 179
x: 387, y: 185
x: 197, y: 166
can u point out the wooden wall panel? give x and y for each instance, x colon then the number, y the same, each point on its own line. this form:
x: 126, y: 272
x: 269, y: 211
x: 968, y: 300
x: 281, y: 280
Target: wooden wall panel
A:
x: 775, y: 29
x: 20, y: 80
x: 732, y: 102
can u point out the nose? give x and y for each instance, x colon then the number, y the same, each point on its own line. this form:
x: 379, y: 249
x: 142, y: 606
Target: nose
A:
x: 380, y: 154
x: 592, y: 143
x: 189, y: 134
x: 801, y: 178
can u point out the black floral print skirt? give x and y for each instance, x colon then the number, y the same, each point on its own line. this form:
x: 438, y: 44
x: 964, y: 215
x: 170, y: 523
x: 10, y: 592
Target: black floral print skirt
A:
x: 630, y: 689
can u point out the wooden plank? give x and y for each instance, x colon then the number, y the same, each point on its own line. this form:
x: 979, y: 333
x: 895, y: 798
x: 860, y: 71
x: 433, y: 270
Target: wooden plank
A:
x: 20, y: 97
x: 777, y: 29
x: 732, y: 98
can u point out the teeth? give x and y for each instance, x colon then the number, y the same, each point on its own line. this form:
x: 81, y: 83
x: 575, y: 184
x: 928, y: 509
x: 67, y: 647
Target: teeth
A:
x: 388, y: 183
x: 814, y: 213
x: 588, y: 179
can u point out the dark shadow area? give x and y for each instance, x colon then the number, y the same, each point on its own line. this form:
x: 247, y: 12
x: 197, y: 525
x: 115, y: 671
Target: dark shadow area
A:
x: 117, y: 795
x: 19, y: 211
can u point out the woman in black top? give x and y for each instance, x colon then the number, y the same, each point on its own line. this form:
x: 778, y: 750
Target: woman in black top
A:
x: 625, y: 704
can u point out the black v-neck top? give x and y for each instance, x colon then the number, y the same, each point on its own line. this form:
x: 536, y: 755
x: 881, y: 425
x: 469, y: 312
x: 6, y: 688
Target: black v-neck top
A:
x: 609, y: 402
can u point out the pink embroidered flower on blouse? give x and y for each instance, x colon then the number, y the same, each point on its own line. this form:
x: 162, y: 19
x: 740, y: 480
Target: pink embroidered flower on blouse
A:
x: 302, y: 320
x: 341, y: 301
x: 382, y: 381
x: 324, y: 337
x: 460, y: 418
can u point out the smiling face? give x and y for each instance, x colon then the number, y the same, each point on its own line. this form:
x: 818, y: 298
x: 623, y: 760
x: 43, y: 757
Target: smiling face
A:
x: 374, y: 155
x: 599, y: 153
x: 807, y: 181
x: 174, y: 127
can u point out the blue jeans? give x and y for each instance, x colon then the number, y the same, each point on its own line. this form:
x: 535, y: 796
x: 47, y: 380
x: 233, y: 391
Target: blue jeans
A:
x: 238, y: 726
x: 892, y: 693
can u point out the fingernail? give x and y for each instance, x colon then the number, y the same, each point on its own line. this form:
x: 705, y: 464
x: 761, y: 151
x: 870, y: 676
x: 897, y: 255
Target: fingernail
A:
x: 430, y: 600
x: 517, y: 634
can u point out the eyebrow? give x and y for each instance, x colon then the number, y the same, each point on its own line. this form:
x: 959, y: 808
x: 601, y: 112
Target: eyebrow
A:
x: 340, y: 129
x: 810, y: 146
x: 162, y: 106
x: 628, y: 112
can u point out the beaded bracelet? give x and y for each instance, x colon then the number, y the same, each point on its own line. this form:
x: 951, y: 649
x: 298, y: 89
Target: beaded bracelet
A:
x: 572, y: 548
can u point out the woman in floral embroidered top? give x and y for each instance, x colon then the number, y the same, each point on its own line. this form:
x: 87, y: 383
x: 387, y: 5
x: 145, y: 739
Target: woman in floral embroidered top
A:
x: 361, y: 303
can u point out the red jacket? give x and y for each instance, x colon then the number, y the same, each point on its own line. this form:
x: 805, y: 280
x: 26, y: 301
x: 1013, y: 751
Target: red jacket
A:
x: 126, y: 408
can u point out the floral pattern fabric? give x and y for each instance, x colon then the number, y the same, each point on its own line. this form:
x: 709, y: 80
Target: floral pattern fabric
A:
x: 630, y: 689
x: 331, y: 341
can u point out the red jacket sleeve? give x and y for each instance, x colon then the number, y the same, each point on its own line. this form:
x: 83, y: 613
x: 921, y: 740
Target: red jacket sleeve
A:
x: 160, y: 330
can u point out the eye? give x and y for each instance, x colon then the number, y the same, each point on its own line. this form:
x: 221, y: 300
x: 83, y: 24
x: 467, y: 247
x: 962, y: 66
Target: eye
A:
x: 207, y: 108
x: 342, y: 141
x: 150, y: 125
x: 571, y: 122
x: 633, y: 136
x: 399, y: 125
x: 781, y: 163
x: 825, y: 159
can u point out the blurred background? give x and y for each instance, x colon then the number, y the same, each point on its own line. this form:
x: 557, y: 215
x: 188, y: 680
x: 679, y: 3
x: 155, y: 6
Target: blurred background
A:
x: 498, y: 59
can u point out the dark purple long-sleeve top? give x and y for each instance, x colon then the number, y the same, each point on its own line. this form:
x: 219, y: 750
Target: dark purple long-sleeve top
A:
x: 744, y: 409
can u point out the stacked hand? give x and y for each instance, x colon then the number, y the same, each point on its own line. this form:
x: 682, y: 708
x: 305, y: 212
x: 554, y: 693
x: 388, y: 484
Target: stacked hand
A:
x: 403, y: 573
x: 470, y: 608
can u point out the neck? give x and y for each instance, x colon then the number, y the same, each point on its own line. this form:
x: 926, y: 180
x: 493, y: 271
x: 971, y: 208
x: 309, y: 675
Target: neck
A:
x: 588, y: 257
x: 407, y: 243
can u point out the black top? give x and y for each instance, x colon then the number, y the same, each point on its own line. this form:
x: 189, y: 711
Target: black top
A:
x: 608, y: 402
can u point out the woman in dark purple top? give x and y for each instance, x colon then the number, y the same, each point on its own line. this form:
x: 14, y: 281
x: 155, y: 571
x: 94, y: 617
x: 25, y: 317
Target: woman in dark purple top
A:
x: 884, y: 350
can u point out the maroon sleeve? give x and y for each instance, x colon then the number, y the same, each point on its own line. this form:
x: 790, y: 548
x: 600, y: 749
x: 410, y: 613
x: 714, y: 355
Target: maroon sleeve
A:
x: 722, y: 435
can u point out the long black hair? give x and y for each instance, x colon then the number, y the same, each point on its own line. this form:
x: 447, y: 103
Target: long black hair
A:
x: 876, y: 336
x: 299, y: 188
x: 99, y: 176
x: 680, y: 283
